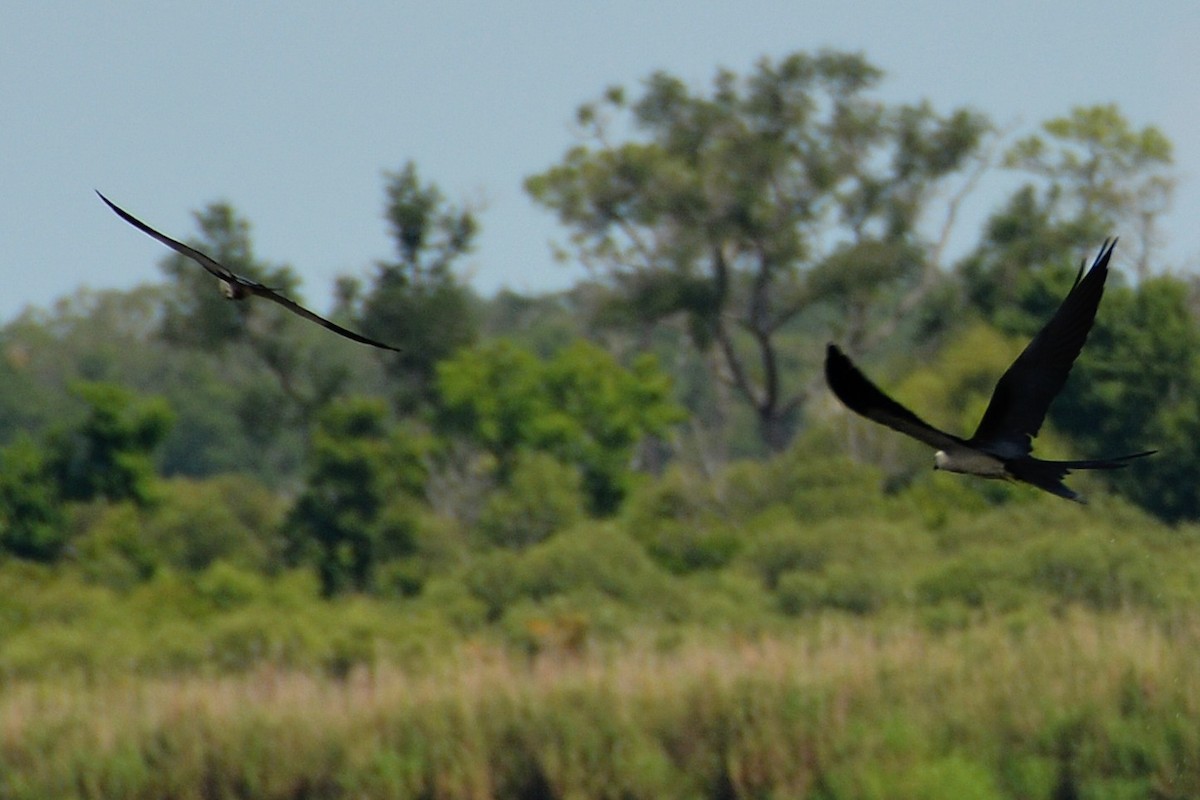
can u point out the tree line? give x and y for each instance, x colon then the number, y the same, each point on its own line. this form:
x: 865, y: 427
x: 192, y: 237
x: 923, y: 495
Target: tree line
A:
x: 730, y: 230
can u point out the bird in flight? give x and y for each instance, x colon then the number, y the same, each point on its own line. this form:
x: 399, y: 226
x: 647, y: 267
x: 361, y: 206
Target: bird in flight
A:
x: 235, y: 287
x: 1001, y: 445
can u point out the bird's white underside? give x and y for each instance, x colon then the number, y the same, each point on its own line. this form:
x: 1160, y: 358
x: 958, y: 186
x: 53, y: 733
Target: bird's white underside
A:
x: 970, y: 462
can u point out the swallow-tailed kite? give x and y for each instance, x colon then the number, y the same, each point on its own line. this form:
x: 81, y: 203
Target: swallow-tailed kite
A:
x: 235, y: 287
x: 1001, y: 445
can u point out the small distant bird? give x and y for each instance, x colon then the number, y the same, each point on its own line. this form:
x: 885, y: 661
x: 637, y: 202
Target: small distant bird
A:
x: 235, y: 287
x: 1001, y: 445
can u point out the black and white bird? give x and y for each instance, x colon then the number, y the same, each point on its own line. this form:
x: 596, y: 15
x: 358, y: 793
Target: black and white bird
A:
x: 235, y: 287
x: 1001, y: 445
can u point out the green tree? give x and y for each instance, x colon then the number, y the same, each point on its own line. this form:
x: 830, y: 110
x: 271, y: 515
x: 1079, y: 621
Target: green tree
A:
x: 1094, y: 176
x: 309, y: 368
x: 580, y: 406
x: 543, y: 496
x: 719, y: 208
x: 32, y: 523
x: 417, y: 302
x: 110, y: 454
x: 90, y: 335
x: 1101, y: 173
x: 357, y: 468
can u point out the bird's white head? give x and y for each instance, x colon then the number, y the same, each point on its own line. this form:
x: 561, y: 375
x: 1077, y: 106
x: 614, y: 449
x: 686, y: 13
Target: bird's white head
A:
x: 231, y: 290
x: 940, y: 459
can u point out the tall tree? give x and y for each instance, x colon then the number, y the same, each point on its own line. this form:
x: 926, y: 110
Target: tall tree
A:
x: 357, y: 465
x: 197, y: 315
x: 580, y: 406
x: 110, y: 453
x: 738, y: 209
x: 1100, y: 173
x: 33, y: 524
x: 417, y: 302
x: 1094, y: 176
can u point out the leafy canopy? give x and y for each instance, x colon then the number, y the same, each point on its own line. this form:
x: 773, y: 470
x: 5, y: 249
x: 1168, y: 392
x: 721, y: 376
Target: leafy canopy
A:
x: 580, y: 406
x: 722, y: 208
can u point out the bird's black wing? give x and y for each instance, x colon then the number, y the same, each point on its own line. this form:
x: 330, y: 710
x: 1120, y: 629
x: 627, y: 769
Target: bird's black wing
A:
x: 179, y: 247
x: 291, y: 305
x: 865, y: 398
x: 254, y: 287
x: 1024, y: 393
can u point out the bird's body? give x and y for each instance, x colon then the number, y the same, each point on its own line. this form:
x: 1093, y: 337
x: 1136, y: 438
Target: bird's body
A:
x: 1002, y: 444
x: 966, y: 461
x: 235, y: 287
x: 232, y: 291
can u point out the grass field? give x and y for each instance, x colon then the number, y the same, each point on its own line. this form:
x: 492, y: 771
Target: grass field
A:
x: 1079, y: 704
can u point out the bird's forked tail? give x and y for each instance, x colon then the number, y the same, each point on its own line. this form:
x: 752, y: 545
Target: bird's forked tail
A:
x: 1048, y: 475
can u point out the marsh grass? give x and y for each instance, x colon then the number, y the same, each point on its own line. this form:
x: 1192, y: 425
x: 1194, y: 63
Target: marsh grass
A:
x: 1080, y: 704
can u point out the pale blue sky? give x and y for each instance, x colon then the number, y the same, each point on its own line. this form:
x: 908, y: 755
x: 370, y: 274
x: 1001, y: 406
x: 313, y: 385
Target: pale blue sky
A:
x: 292, y: 111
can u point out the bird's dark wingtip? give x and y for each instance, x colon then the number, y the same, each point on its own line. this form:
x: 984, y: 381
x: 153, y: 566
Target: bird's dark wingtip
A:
x: 1106, y: 251
x: 835, y: 362
x: 1099, y: 262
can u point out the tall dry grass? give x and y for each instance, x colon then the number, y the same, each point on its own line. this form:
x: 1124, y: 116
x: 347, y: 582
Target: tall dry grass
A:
x: 1080, y: 705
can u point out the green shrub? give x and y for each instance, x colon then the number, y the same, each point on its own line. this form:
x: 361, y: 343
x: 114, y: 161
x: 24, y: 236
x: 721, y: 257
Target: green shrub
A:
x: 678, y: 522
x: 813, y: 484
x: 799, y: 592
x: 110, y: 545
x: 247, y: 637
x: 968, y: 580
x: 592, y: 555
x: 437, y: 545
x: 941, y: 499
x: 226, y: 587
x: 452, y: 600
x: 231, y: 518
x: 854, y: 590
x: 839, y: 588
x: 1098, y: 571
x: 491, y: 578
x: 543, y: 495
x: 779, y: 544
x: 683, y: 547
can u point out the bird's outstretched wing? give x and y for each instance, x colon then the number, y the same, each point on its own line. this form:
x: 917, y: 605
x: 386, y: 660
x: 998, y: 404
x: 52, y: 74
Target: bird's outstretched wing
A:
x: 1024, y: 393
x: 865, y: 398
x: 245, y: 284
x: 270, y: 294
x: 179, y: 247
